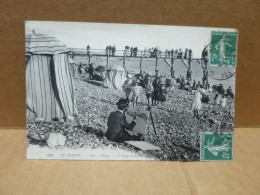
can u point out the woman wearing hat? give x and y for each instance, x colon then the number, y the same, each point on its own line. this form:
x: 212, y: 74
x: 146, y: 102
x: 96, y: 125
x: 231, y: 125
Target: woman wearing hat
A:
x: 117, y: 124
x: 162, y: 93
x: 127, y: 85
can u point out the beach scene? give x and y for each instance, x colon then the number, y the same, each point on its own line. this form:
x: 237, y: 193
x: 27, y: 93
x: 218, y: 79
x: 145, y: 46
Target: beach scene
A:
x: 98, y: 91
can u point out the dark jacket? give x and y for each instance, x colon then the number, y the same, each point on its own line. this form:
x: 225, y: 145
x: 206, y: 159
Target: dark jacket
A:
x: 116, y: 125
x: 91, y: 69
x: 221, y: 90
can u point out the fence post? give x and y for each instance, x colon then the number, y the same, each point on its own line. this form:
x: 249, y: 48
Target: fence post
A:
x: 88, y: 53
x: 206, y: 73
x: 141, y: 59
x: 172, y: 68
x: 156, y: 65
x: 190, y: 59
x: 124, y: 59
x: 189, y: 65
x: 205, y: 61
x: 107, y: 59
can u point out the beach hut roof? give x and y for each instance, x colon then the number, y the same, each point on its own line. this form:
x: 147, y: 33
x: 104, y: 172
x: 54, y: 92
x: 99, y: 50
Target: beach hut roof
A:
x: 43, y: 44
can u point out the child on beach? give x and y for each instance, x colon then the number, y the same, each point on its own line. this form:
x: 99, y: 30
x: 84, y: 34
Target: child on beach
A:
x: 217, y: 99
x: 127, y: 85
x: 149, y: 90
x: 196, y: 104
x: 223, y: 101
x: 135, y: 93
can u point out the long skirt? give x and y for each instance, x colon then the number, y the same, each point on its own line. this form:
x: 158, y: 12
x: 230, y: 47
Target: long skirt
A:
x: 196, y: 104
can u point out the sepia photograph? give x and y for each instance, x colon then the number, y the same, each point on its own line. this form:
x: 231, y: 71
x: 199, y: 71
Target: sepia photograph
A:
x: 106, y: 91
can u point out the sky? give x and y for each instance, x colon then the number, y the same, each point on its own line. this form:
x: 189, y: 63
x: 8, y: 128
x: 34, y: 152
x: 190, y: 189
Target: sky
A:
x: 99, y: 35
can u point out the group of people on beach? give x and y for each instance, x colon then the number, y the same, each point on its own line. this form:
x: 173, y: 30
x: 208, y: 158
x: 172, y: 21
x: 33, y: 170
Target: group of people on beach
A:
x: 189, y: 84
x: 82, y: 69
x: 157, y: 87
x: 201, y: 95
x: 154, y: 88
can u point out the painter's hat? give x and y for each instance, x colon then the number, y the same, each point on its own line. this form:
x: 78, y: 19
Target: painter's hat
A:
x: 122, y: 103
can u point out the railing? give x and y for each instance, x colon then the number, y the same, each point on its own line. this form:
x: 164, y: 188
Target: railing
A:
x: 127, y: 53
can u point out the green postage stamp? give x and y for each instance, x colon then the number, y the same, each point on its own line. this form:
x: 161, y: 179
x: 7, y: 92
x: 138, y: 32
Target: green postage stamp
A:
x: 216, y: 147
x: 223, y: 48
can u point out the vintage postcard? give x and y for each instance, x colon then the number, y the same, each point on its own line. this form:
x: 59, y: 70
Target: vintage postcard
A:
x: 104, y: 91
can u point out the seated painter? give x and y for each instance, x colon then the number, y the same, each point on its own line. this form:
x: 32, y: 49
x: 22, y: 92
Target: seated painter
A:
x: 118, y: 126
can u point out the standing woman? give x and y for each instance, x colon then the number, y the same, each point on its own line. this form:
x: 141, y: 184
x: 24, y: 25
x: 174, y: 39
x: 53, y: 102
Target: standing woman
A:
x: 162, y: 93
x: 91, y: 70
x: 156, y: 86
x: 196, y: 104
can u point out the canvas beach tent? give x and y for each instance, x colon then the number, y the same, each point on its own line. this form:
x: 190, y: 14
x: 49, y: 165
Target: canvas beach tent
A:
x: 115, y: 78
x: 49, y: 87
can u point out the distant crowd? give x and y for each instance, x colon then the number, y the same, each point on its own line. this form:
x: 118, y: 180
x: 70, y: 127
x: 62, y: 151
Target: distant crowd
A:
x: 149, y: 52
x: 156, y: 52
x: 110, y: 50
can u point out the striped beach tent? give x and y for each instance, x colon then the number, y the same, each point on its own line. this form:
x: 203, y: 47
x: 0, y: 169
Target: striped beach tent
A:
x: 49, y: 87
